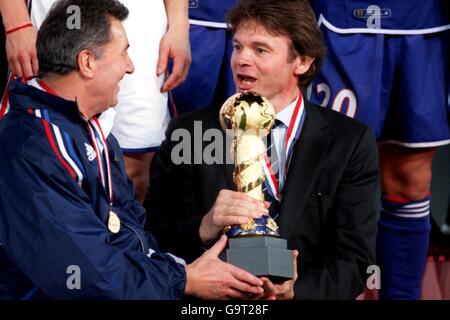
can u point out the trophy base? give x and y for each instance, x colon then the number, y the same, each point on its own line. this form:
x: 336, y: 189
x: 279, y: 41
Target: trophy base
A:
x: 261, y: 256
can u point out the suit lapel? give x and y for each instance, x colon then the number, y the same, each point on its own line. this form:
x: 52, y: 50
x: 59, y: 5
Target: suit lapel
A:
x: 309, y: 153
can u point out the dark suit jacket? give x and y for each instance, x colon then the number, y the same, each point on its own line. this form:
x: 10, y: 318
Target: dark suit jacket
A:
x: 328, y: 210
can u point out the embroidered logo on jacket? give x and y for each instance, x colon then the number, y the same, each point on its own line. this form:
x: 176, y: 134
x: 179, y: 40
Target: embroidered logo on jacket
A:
x: 90, y: 152
x: 193, y: 4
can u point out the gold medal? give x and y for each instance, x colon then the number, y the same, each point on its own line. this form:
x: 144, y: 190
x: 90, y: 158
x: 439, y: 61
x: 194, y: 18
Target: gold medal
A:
x: 113, y: 222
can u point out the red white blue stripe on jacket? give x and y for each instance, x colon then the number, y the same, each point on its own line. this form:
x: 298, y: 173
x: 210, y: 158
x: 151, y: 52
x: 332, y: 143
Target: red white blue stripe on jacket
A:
x: 58, y: 143
x: 59, y: 140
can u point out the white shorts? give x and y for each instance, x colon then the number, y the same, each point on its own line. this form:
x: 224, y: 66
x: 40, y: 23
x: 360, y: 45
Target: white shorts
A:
x: 142, y: 115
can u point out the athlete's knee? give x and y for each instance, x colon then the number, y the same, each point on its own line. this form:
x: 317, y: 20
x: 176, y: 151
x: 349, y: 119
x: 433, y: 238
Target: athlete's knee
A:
x: 408, y: 185
x: 406, y: 173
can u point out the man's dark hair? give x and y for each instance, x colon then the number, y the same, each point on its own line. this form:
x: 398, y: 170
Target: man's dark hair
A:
x: 58, y: 43
x: 292, y: 18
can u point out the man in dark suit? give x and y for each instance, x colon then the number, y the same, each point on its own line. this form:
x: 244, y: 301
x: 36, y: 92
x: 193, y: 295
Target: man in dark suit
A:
x: 326, y: 205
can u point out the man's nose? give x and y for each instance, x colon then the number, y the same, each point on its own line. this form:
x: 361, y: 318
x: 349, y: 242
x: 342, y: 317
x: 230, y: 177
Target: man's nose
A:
x: 243, y: 57
x: 130, y: 66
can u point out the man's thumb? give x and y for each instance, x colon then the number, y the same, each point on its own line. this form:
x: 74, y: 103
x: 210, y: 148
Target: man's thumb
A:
x: 219, y: 246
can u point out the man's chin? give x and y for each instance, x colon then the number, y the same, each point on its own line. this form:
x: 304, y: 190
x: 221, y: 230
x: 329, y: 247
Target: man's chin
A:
x: 114, y: 103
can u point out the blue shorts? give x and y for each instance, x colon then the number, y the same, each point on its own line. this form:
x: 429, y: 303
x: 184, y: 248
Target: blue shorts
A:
x: 396, y: 84
x: 210, y: 79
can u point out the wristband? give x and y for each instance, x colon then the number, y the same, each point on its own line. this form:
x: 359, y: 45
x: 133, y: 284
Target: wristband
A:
x: 27, y: 25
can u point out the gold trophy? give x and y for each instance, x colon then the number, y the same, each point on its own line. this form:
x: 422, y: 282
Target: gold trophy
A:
x: 255, y: 246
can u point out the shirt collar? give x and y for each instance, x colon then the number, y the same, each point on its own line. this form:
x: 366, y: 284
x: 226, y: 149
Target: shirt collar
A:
x: 66, y: 107
x: 285, y: 115
x: 26, y: 95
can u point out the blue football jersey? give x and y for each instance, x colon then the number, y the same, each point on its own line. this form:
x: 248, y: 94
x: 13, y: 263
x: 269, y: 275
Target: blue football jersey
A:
x: 391, y: 14
x: 210, y: 10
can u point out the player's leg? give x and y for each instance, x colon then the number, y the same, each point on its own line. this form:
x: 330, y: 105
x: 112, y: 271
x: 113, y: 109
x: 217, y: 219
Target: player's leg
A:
x: 404, y: 223
x: 137, y: 167
x: 415, y: 126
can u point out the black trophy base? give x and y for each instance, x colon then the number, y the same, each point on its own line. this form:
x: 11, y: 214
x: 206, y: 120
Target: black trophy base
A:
x: 261, y: 256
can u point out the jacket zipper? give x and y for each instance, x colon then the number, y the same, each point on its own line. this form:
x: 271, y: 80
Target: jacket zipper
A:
x: 137, y: 234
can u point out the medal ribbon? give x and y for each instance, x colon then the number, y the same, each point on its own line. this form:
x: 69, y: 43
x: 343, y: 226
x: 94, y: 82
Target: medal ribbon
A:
x: 95, y: 130
x: 294, y: 130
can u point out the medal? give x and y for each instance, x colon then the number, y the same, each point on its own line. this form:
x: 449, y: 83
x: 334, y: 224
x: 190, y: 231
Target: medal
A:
x: 113, y: 222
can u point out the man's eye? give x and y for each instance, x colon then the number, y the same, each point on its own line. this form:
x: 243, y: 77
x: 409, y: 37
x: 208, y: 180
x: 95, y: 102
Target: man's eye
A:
x: 260, y: 50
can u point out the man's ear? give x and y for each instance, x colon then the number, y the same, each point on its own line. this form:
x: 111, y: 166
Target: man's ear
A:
x: 87, y: 63
x: 303, y: 63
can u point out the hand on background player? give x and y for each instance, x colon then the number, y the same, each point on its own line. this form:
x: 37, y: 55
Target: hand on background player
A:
x: 174, y: 45
x: 21, y: 52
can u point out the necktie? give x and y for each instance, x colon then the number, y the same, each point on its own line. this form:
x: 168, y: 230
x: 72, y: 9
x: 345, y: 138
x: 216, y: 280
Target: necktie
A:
x: 274, y: 208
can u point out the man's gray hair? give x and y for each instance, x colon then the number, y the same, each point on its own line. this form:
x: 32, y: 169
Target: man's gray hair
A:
x: 58, y: 45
